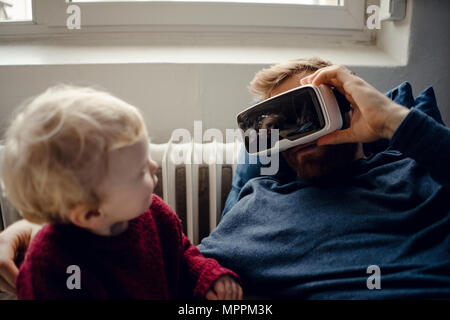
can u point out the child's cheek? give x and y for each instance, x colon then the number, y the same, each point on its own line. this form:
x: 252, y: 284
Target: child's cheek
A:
x: 149, y: 187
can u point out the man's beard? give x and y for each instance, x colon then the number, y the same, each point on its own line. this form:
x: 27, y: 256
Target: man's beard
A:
x: 321, y: 162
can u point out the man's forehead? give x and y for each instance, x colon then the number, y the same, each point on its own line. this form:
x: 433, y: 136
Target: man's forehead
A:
x: 289, y: 83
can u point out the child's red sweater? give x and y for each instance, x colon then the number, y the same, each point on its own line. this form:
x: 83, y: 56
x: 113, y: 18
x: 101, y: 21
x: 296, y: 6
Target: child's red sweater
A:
x: 152, y: 259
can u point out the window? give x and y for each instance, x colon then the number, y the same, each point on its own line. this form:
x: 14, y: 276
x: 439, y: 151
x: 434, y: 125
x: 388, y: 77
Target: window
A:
x: 186, y: 15
x: 17, y: 10
x: 317, y: 2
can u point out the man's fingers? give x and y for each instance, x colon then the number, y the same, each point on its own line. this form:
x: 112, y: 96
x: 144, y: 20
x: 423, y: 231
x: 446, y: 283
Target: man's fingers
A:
x: 307, y: 79
x: 324, y: 76
x: 337, y: 137
x: 8, y: 273
x: 210, y: 295
x: 335, y: 75
x: 5, y: 286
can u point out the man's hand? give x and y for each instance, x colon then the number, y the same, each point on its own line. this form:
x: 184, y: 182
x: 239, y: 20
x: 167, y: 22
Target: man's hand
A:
x: 374, y: 115
x: 16, y: 236
x: 225, y: 288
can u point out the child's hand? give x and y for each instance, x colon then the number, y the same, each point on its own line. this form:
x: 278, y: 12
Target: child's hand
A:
x: 225, y: 288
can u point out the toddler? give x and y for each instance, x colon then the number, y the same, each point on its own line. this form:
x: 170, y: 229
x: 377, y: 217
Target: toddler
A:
x: 77, y: 160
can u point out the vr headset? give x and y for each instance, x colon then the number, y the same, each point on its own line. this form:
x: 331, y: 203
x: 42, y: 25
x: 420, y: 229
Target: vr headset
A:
x: 301, y: 115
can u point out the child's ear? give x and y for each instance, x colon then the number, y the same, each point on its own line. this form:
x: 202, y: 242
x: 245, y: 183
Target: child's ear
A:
x: 86, y: 217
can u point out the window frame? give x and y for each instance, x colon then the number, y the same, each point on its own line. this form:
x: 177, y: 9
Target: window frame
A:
x: 49, y: 16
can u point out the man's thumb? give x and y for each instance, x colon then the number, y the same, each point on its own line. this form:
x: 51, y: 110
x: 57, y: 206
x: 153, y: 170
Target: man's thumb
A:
x: 336, y: 137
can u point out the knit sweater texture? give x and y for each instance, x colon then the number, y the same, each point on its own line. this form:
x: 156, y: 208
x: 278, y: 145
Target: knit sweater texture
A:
x: 152, y: 259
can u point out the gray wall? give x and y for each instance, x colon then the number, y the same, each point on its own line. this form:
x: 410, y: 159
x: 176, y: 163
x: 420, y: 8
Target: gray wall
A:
x: 429, y: 55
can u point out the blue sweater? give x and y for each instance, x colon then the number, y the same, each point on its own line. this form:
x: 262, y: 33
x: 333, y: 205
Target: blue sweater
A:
x: 301, y: 240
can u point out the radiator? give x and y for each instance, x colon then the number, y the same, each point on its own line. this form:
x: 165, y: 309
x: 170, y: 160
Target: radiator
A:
x: 212, y: 156
x: 183, y: 197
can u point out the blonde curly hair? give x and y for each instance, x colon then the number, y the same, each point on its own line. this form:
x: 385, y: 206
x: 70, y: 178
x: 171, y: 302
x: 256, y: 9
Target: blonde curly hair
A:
x: 56, y: 150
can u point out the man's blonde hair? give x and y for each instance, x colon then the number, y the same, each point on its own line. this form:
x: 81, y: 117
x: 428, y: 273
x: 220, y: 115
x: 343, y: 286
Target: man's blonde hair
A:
x: 56, y: 150
x: 266, y: 80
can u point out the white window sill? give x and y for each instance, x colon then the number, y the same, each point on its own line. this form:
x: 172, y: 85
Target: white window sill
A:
x: 213, y: 45
x: 45, y: 52
x: 36, y: 45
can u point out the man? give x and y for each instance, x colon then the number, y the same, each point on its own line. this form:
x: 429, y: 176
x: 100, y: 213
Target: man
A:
x: 335, y: 224
x: 347, y: 226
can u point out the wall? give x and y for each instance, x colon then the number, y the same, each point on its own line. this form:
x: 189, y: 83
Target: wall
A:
x: 429, y: 55
x: 173, y: 95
